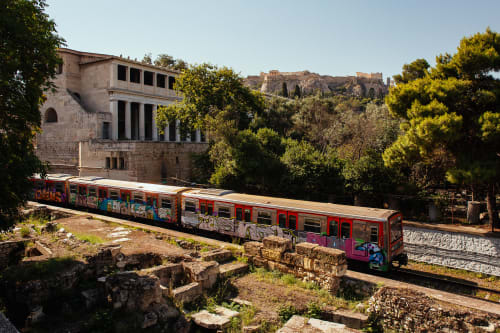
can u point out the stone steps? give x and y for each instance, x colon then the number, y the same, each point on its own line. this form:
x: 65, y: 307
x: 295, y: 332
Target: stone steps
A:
x: 232, y: 268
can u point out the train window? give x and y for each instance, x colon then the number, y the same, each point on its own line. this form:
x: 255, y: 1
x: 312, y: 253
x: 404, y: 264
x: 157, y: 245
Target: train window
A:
x: 210, y: 209
x: 113, y: 195
x: 190, y: 206
x: 264, y: 218
x: 248, y: 215
x: 92, y: 192
x: 166, y: 203
x: 312, y: 225
x: 150, y: 201
x: 282, y: 220
x: 334, y: 228
x: 374, y: 234
x: 82, y: 190
x: 239, y: 214
x: 345, y: 230
x: 102, y: 193
x: 224, y: 212
x: 203, y: 208
x: 138, y: 198
x: 359, y: 230
x: 72, y: 189
x: 292, y: 222
x: 59, y: 187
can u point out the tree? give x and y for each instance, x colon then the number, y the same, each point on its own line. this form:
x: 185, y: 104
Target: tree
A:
x: 164, y: 60
x: 147, y: 59
x: 417, y: 69
x: 296, y: 92
x: 29, y: 61
x: 455, y: 108
x: 284, y: 90
x: 214, y: 99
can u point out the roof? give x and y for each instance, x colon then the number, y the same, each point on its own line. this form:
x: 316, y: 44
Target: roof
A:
x: 55, y: 176
x: 98, y: 57
x: 133, y: 186
x: 297, y: 205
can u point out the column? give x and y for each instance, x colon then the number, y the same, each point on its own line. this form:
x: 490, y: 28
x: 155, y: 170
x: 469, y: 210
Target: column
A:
x: 198, y: 135
x: 113, y: 108
x: 128, y: 132
x: 177, y: 130
x: 166, y: 136
x: 141, y: 122
x: 154, y: 129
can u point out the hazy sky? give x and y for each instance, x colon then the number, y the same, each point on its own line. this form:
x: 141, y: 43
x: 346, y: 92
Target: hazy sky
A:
x: 326, y: 37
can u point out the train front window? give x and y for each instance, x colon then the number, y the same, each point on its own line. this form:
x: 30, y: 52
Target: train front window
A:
x: 345, y: 230
x: 312, y: 225
x: 282, y: 220
x: 396, y: 229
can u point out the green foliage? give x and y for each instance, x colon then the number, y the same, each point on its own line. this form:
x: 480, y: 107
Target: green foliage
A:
x: 296, y: 92
x: 38, y: 269
x: 147, y: 59
x: 284, y: 90
x: 287, y: 311
x: 167, y: 61
x: 92, y: 239
x: 29, y: 62
x: 25, y: 232
x: 452, y: 110
x: 313, y: 310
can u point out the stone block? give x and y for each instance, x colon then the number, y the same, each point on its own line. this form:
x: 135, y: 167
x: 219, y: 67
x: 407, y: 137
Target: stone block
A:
x: 329, y: 255
x: 187, y: 293
x: 272, y: 254
x: 219, y: 255
x: 197, y: 271
x: 308, y: 264
x: 166, y: 273
x: 277, y: 243
x: 305, y: 249
x: 253, y: 248
x: 260, y: 262
x: 210, y: 321
x: 233, y: 268
x: 294, y: 259
x: 276, y: 266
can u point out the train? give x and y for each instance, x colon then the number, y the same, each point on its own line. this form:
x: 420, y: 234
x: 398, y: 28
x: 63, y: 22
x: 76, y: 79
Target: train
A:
x: 371, y: 236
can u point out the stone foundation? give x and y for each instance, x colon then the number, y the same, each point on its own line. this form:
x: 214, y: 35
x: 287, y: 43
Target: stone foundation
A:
x: 311, y: 262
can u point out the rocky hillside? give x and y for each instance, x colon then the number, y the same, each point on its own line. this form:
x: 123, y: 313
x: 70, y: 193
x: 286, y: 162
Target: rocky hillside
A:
x: 309, y: 83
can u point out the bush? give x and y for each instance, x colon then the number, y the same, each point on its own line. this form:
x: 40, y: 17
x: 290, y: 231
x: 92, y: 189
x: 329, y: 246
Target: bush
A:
x: 25, y: 232
x: 285, y: 312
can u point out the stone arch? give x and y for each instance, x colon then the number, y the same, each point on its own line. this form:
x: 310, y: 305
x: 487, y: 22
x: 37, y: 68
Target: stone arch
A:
x: 50, y: 116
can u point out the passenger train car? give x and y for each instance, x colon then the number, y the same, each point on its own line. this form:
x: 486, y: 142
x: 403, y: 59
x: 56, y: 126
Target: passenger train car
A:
x: 370, y: 235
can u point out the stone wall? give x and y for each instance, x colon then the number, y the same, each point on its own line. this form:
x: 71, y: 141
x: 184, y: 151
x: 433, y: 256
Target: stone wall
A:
x: 453, y: 249
x: 11, y: 252
x: 310, y: 262
x: 404, y: 310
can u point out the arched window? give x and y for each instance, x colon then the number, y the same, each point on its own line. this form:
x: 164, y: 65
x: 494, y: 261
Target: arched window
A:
x: 51, y: 116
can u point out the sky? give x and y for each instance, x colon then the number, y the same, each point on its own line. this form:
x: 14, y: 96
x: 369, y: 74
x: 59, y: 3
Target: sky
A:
x: 326, y: 37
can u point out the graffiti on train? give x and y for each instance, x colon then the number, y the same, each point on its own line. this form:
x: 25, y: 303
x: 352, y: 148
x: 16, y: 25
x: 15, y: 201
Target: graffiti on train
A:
x: 50, y: 195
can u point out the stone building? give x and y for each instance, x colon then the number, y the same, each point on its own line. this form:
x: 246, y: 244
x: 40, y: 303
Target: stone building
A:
x: 101, y: 121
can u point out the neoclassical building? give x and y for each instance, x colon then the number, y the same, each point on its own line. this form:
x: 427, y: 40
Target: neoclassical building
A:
x: 101, y: 121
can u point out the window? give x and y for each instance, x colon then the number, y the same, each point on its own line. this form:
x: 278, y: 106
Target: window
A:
x: 224, y: 212
x: 125, y: 196
x: 105, y: 130
x: 334, y: 228
x: 114, y: 164
x: 248, y: 215
x: 82, y: 190
x: 292, y: 222
x: 312, y: 225
x: 202, y: 208
x: 374, y: 234
x: 103, y: 194
x: 72, y: 189
x: 50, y: 116
x: 166, y: 203
x: 148, y: 78
x: 135, y: 75
x: 172, y: 131
x: 210, y: 209
x: 121, y: 120
x: 150, y: 201
x: 190, y: 207
x: 171, y: 82
x: 108, y: 162
x: 282, y: 220
x: 239, y: 214
x: 396, y: 229
x: 359, y: 230
x: 122, y: 73
x: 160, y: 80
x: 138, y: 198
x: 59, y: 69
x: 264, y: 218
x: 92, y: 192
x: 345, y: 230
x: 148, y: 121
x: 113, y: 195
x: 122, y: 163
x: 134, y: 121
x: 192, y: 136
x: 59, y: 187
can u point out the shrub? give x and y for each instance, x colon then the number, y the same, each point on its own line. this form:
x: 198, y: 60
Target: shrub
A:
x: 285, y: 312
x: 25, y: 231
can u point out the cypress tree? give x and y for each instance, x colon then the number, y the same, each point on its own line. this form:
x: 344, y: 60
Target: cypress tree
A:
x: 296, y: 93
x: 284, y: 90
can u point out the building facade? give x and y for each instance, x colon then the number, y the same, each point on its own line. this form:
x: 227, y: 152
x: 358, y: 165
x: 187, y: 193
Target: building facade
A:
x: 101, y: 121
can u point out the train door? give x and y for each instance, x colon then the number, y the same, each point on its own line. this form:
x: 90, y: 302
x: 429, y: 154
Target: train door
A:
x: 102, y: 197
x: 292, y: 220
x: 281, y: 219
x: 243, y: 213
x: 207, y: 207
x: 333, y: 227
x: 81, y: 198
x: 151, y: 205
x: 125, y: 197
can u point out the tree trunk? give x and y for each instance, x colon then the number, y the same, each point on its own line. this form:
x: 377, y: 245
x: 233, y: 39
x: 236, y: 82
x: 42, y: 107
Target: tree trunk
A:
x: 473, y: 208
x: 491, y: 204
